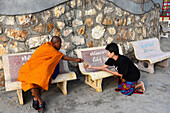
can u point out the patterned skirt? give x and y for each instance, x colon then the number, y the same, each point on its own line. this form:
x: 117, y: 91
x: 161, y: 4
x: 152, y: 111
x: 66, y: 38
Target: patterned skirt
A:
x: 126, y: 87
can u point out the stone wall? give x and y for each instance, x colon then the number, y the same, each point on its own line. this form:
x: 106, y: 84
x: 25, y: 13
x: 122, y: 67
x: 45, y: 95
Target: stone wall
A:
x: 80, y: 25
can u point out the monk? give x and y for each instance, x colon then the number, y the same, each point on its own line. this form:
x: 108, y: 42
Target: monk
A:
x: 37, y: 72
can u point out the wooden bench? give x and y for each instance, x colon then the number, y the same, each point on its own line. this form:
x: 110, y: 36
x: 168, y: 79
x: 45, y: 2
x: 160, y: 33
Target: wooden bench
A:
x: 95, y: 56
x: 12, y: 64
x: 148, y: 53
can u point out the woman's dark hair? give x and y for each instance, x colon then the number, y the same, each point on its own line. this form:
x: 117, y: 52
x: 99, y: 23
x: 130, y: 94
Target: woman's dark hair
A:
x: 112, y: 47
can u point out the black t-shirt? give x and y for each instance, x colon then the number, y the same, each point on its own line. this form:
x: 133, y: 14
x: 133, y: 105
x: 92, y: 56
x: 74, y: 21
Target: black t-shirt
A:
x: 125, y: 67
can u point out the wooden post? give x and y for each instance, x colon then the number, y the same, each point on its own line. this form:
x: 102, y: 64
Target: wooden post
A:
x: 96, y: 84
x: 149, y: 68
x: 63, y: 87
x: 164, y: 63
x: 20, y: 96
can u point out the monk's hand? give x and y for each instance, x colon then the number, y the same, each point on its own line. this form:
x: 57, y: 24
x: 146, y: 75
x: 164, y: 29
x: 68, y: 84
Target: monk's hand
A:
x: 79, y: 60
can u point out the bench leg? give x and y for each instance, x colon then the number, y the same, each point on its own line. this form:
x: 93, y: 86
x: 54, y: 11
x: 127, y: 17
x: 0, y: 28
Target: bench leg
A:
x: 96, y: 84
x: 20, y: 96
x: 164, y: 63
x: 63, y: 87
x: 146, y: 66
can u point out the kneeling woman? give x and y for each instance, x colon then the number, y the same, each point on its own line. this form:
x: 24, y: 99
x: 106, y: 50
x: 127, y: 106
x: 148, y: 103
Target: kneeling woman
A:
x: 127, y: 73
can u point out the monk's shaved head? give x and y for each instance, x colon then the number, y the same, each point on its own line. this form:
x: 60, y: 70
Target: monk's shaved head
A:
x: 55, y: 39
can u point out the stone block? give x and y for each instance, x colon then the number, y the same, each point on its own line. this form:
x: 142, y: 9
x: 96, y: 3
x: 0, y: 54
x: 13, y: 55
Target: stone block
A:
x: 9, y: 20
x: 81, y: 30
x: 112, y: 30
x: 98, y: 32
x: 26, y: 20
x: 67, y: 31
x: 39, y: 28
x: 2, y: 18
x: 77, y: 22
x: 3, y: 38
x: 118, y: 11
x: 98, y: 4
x: 60, y: 24
x: 77, y: 40
x: 13, y: 46
x: 35, y: 41
x: 89, y: 22
x: 90, y: 12
x: 45, y: 15
x: 131, y: 34
x: 50, y: 26
x: 2, y: 50
x: 107, y: 21
x: 19, y: 34
x: 59, y: 10
x: 99, y: 18
x: 108, y: 10
x: 72, y: 3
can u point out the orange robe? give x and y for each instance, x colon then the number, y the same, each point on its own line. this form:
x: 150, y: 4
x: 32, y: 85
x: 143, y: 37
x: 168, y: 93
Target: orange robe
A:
x: 37, y: 71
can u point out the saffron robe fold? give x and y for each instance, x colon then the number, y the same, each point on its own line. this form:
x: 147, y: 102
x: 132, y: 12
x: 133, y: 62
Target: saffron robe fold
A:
x: 37, y: 71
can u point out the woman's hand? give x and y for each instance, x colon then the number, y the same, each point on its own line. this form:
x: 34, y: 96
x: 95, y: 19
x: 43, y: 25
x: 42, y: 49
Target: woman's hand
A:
x: 87, y: 66
x: 105, y: 69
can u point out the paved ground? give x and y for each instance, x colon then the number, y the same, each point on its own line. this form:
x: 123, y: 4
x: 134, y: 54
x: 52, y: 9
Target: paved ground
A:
x: 83, y: 99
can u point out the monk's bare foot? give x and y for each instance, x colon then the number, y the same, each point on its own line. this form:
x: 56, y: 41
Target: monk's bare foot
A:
x: 42, y: 107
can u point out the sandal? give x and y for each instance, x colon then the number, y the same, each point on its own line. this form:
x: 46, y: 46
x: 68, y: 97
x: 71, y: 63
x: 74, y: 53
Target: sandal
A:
x: 117, y: 89
x: 42, y: 108
x: 35, y: 104
x: 136, y: 91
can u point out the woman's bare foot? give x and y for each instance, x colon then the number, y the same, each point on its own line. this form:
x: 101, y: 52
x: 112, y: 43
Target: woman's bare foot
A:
x: 142, y: 86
